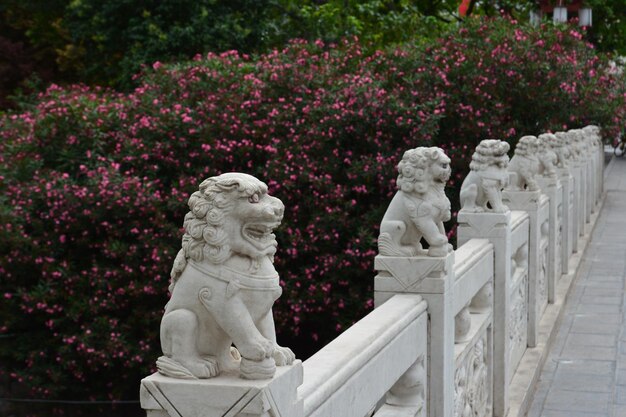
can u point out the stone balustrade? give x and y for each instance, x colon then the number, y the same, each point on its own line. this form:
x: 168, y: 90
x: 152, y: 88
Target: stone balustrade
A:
x: 454, y: 333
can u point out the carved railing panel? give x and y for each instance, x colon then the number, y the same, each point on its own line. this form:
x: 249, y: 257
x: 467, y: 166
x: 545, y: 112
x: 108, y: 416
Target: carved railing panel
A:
x: 473, y: 302
x: 517, y: 326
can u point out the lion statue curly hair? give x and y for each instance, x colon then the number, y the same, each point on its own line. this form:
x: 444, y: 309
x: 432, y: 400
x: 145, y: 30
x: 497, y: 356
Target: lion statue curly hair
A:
x: 524, y: 165
x: 224, y: 284
x: 481, y: 190
x: 420, y: 206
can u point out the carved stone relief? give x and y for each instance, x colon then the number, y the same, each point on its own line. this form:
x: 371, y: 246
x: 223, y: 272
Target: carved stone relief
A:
x: 542, y: 282
x: 518, y: 324
x: 518, y: 318
x: 559, y: 241
x: 472, y: 383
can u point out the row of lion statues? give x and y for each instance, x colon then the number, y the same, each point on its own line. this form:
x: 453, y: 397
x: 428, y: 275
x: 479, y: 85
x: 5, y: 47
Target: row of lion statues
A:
x: 224, y: 284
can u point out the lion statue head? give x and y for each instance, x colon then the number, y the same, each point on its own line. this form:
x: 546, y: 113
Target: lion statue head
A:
x: 230, y: 214
x: 527, y: 147
x: 490, y: 153
x: 421, y: 168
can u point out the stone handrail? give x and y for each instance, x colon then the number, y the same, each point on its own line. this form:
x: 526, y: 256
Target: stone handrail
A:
x: 454, y: 333
x: 353, y: 372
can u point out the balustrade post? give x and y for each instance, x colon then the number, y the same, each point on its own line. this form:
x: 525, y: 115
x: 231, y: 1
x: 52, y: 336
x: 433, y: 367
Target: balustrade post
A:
x: 524, y: 194
x: 417, y: 212
x: 536, y: 205
x: 576, y: 169
x: 432, y: 278
x: 222, y: 296
x: 569, y: 214
x: 551, y: 186
x: 484, y: 216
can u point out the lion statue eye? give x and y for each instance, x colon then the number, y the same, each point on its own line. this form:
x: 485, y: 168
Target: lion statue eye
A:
x: 254, y: 198
x: 444, y: 166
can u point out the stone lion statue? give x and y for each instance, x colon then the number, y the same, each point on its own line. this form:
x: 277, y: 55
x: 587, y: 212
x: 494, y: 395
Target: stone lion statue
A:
x: 420, y: 206
x: 481, y: 190
x: 592, y: 132
x: 570, y: 143
x: 524, y: 165
x: 548, y: 159
x: 578, y: 143
x: 558, y: 143
x: 224, y: 284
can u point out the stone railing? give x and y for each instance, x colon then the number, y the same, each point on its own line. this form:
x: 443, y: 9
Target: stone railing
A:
x: 455, y: 332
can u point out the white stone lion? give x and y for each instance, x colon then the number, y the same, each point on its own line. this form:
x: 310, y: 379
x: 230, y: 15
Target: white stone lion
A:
x: 481, y: 190
x: 420, y: 206
x: 548, y: 158
x: 224, y: 284
x: 524, y: 165
x: 592, y: 132
x: 558, y: 143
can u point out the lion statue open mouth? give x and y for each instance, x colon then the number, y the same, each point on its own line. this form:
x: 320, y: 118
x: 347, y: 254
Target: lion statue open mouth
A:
x: 224, y: 284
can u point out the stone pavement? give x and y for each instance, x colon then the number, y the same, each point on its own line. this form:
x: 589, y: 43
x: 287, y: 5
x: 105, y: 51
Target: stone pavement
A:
x: 585, y: 371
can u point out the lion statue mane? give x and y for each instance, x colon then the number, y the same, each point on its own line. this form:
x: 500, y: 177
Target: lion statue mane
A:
x: 524, y: 165
x: 420, y: 206
x: 481, y: 190
x: 224, y: 284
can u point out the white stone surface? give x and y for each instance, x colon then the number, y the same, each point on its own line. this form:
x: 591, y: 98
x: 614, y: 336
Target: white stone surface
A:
x: 420, y: 206
x: 536, y: 205
x: 547, y: 157
x: 567, y: 181
x: 524, y: 165
x: 433, y: 279
x: 226, y: 394
x: 517, y: 327
x: 554, y: 190
x: 481, y: 190
x: 496, y: 227
x: 224, y: 284
x: 351, y: 374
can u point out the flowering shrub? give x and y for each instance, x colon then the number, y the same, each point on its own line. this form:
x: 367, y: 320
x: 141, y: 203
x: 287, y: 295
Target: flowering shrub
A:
x: 94, y: 184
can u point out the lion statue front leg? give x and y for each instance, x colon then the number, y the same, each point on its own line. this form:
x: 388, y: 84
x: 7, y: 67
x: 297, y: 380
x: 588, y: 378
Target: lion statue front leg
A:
x: 492, y: 189
x: 282, y: 355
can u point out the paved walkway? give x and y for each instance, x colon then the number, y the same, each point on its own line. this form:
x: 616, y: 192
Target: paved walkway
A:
x: 585, y: 372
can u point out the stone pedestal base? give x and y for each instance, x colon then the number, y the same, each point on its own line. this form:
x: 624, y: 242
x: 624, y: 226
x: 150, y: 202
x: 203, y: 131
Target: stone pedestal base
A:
x: 225, y: 395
